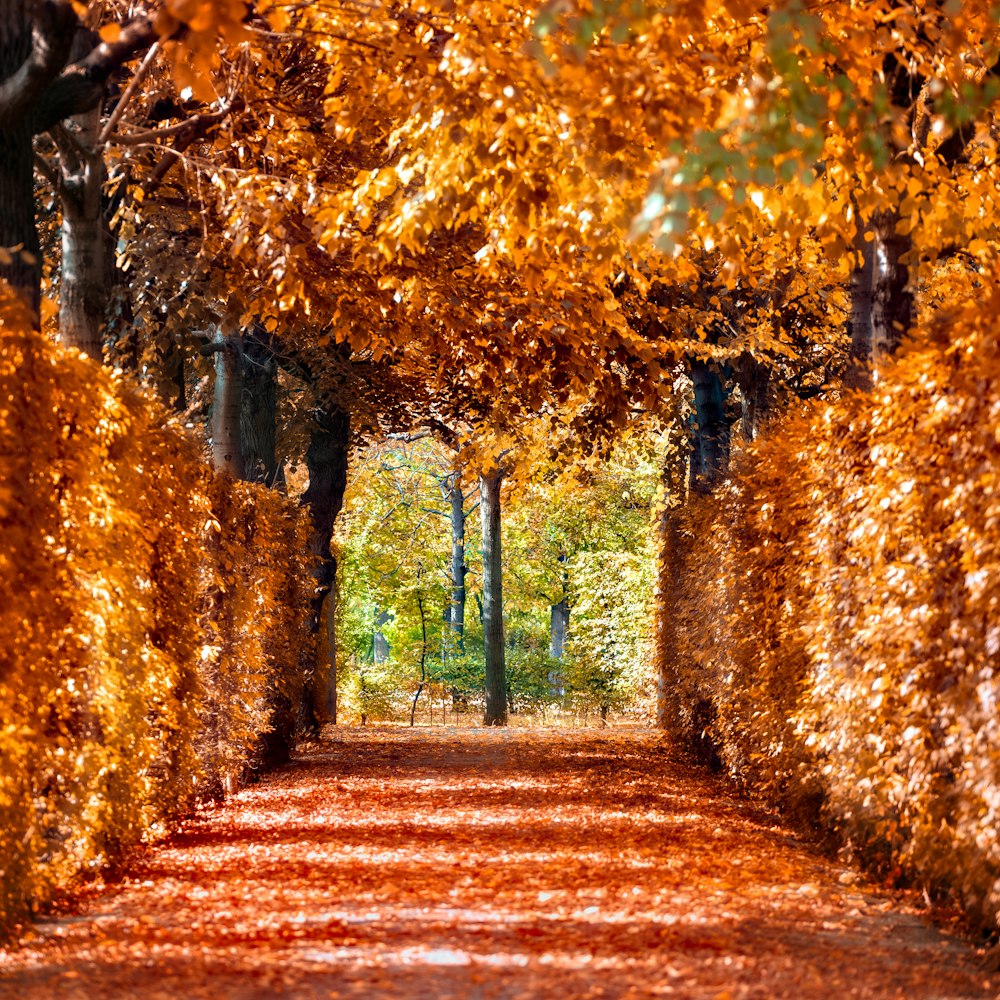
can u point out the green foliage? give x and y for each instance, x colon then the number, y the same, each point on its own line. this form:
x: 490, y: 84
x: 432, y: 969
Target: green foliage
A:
x: 609, y: 653
x: 394, y: 545
x: 368, y: 692
x: 561, y: 533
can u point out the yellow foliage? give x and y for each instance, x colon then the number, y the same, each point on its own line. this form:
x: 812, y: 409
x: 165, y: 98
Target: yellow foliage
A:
x: 835, y: 628
x: 152, y: 616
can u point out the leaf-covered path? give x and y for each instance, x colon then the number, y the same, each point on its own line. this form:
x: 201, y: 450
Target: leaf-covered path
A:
x: 470, y: 863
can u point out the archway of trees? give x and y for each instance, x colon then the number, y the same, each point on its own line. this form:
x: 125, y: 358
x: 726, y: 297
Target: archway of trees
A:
x: 478, y: 359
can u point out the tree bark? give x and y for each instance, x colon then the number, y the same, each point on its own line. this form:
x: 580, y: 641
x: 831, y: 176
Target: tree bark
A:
x: 858, y: 374
x: 259, y: 413
x: 227, y: 452
x: 892, y: 295
x: 20, y: 70
x: 558, y: 626
x: 381, y: 649
x: 423, y: 659
x: 753, y: 378
x: 87, y: 251
x: 558, y: 629
x: 710, y: 444
x: 37, y: 90
x: 496, y: 673
x: 458, y: 567
x: 326, y: 460
x: 20, y: 264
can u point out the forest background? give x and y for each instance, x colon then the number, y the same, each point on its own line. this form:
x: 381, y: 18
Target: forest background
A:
x: 752, y: 247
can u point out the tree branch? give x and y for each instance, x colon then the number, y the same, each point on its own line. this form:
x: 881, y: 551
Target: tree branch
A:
x: 49, y: 172
x: 197, y: 125
x: 191, y: 130
x: 952, y: 149
x: 52, y: 32
x: 130, y: 92
x: 81, y: 85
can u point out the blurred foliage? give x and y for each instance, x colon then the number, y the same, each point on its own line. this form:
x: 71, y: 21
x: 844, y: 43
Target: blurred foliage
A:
x: 152, y: 618
x: 835, y: 632
x: 608, y: 652
x: 579, y: 529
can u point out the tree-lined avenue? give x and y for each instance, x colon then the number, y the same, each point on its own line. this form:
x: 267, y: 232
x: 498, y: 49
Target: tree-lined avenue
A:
x: 466, y: 862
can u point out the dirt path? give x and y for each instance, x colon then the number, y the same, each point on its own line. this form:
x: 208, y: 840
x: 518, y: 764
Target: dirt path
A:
x: 468, y: 863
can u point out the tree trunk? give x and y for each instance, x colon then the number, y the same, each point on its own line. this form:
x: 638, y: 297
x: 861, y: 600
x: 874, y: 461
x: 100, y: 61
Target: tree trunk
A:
x: 380, y: 644
x: 20, y: 265
x: 227, y: 452
x: 558, y: 625
x: 858, y: 374
x: 36, y: 40
x: 753, y: 378
x: 710, y: 444
x: 892, y: 296
x: 17, y: 171
x: 87, y: 252
x: 458, y: 567
x: 423, y: 659
x: 496, y: 674
x: 328, y: 700
x: 259, y: 414
x: 326, y: 460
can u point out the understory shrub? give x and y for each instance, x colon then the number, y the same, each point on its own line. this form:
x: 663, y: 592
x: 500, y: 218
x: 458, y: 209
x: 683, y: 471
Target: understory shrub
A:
x: 152, y: 618
x: 834, y: 615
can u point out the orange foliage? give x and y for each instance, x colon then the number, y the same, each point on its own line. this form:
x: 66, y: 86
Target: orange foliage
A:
x: 138, y: 600
x: 835, y: 614
x: 474, y: 862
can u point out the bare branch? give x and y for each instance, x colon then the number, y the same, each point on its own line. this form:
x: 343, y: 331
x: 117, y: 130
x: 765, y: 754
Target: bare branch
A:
x: 130, y: 92
x: 48, y: 170
x: 198, y: 124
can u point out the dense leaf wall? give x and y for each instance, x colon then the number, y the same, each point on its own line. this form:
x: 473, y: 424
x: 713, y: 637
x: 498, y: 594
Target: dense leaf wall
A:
x: 151, y: 618
x: 836, y: 621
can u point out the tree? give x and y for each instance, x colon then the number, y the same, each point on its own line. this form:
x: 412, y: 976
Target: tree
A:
x: 43, y: 81
x: 490, y: 485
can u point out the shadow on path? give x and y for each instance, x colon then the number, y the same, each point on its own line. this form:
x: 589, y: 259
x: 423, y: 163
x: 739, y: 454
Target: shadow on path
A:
x: 474, y: 863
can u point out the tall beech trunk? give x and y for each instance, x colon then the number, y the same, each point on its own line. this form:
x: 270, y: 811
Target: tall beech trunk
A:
x: 710, y: 444
x: 326, y: 460
x: 496, y: 672
x: 36, y: 42
x: 87, y: 251
x: 558, y: 626
x: 558, y: 630
x: 882, y: 304
x: 423, y: 657
x: 753, y: 378
x: 458, y: 568
x: 227, y: 450
x: 259, y: 414
x: 858, y: 374
x: 892, y: 296
x: 17, y: 171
